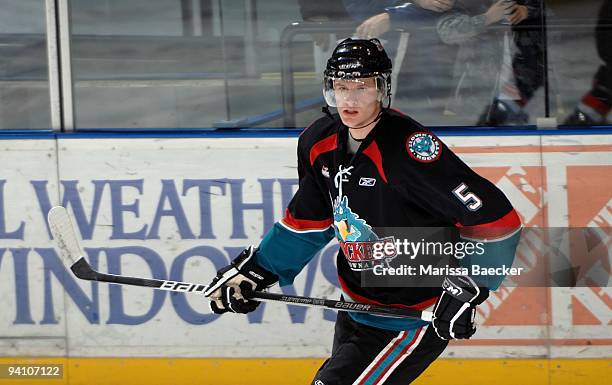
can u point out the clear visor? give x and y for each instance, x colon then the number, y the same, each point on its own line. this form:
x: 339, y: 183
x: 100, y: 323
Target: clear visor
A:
x: 341, y: 93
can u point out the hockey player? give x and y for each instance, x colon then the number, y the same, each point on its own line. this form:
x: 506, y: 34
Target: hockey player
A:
x: 364, y: 168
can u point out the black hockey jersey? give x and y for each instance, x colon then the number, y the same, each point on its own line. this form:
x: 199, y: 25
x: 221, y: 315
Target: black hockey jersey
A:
x: 402, y: 176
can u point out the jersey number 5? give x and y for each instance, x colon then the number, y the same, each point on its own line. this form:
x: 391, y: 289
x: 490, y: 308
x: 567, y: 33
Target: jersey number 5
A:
x: 469, y: 199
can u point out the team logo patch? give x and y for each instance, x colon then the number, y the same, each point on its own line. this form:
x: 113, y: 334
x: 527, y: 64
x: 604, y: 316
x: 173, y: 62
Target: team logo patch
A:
x: 423, y: 147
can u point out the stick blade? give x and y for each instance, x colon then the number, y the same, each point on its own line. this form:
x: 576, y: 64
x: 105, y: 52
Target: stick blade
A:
x: 63, y: 234
x: 83, y: 270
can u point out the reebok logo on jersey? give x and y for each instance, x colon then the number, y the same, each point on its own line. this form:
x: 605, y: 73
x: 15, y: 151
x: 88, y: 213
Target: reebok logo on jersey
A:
x: 367, y: 182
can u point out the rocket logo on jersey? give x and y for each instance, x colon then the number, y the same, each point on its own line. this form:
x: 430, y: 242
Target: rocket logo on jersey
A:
x: 357, y: 239
x: 423, y: 147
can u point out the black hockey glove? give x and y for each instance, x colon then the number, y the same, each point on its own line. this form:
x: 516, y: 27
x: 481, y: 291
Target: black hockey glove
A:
x: 456, y: 308
x: 232, y: 288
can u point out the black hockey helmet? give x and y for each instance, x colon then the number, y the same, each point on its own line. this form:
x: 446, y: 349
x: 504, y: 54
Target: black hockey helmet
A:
x: 354, y: 59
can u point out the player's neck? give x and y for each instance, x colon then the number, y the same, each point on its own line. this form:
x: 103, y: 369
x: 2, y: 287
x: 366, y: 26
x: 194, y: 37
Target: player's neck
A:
x: 362, y: 132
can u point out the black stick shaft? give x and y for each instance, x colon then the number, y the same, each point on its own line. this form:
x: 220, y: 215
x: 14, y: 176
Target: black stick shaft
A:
x: 83, y: 270
x: 387, y: 311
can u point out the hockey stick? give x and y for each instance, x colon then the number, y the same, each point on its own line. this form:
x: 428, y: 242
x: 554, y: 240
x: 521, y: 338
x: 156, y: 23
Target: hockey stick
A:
x: 66, y: 240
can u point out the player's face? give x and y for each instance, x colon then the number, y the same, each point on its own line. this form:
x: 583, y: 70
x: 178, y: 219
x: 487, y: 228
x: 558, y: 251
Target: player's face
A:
x: 357, y: 101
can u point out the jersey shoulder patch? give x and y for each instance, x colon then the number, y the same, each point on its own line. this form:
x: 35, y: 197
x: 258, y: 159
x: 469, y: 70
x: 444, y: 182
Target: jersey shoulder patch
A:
x: 423, y: 147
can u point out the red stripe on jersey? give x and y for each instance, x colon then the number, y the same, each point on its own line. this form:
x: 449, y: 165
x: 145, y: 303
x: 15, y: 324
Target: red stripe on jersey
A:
x: 305, y: 224
x: 499, y: 228
x: 324, y: 145
x: 356, y: 297
x: 373, y: 153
